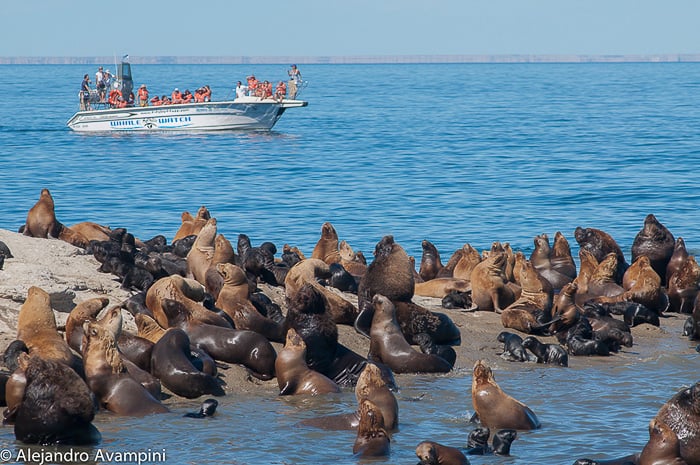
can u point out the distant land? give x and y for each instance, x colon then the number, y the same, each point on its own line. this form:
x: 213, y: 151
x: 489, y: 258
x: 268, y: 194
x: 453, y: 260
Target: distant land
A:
x: 358, y: 59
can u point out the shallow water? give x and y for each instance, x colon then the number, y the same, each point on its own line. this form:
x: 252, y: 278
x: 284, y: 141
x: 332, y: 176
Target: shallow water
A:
x: 450, y: 153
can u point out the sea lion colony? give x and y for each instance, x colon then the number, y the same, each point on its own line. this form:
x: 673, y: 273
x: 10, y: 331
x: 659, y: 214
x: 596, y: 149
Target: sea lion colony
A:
x: 196, y: 301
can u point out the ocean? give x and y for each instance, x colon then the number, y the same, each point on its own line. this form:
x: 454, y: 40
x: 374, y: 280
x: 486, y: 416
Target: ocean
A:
x: 451, y: 153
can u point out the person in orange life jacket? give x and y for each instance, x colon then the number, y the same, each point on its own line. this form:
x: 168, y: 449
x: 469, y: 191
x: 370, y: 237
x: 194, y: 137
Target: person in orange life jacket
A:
x: 143, y: 95
x: 114, y: 96
x: 176, y: 96
x: 155, y: 101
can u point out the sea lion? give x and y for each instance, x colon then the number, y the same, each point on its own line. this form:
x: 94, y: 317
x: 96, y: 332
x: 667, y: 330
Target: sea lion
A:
x: 588, y: 264
x: 441, y: 287
x: 191, y: 225
x: 663, y: 447
x: 148, y: 328
x: 502, y: 441
x: 600, y: 244
x: 656, y: 242
x: 171, y: 363
x: 430, y: 264
x: 60, y: 398
x: 513, y: 349
x: 202, y: 252
x: 490, y: 290
x: 464, y: 266
x: 36, y: 326
x: 602, y: 282
x: 496, y: 409
x: 532, y: 311
x: 92, y: 231
x: 433, y: 453
x: 389, y: 346
x: 478, y: 441
x: 294, y: 377
x: 632, y: 459
x: 680, y: 254
x: 86, y: 310
x: 561, y: 258
x: 683, y: 286
x: 108, y: 378
x: 682, y: 415
x: 41, y: 218
x: 541, y: 260
x: 565, y: 312
x: 373, y: 440
x: 389, y: 274
x: 546, y: 353
x: 208, y: 409
x: 341, y: 279
x: 326, y: 247
x: 641, y: 284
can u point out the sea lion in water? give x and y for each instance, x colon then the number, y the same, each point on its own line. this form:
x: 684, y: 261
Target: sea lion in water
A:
x: 494, y: 408
x: 433, y: 453
x: 502, y: 441
x: 682, y: 415
x: 294, y: 376
x: 208, y: 409
x: 656, y: 242
x: 478, y: 441
x: 663, y: 447
x: 389, y: 346
x: 373, y: 440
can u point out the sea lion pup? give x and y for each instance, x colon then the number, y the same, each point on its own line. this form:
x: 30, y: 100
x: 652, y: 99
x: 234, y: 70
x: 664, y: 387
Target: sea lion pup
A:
x: 341, y: 279
x: 457, y: 300
x: 502, y: 441
x: 373, y: 440
x: 663, y: 446
x: 680, y: 254
x: 36, y: 326
x: 490, y: 290
x: 600, y: 244
x: 187, y: 291
x: 494, y: 408
x: 433, y: 453
x: 202, y: 252
x: 108, y: 378
x: 532, y: 311
x: 308, y: 272
x: 553, y: 354
x: 637, y: 314
x: 513, y: 349
x: 683, y: 286
x: 62, y: 401
x: 192, y: 225
x: 248, y: 348
x: 389, y: 346
x: 86, y: 310
x: 682, y: 415
x: 478, y: 441
x: 605, y: 327
x: 656, y: 242
x: 234, y: 300
x: 208, y: 409
x: 541, y: 260
x: 171, y: 363
x: 430, y: 264
x: 294, y: 377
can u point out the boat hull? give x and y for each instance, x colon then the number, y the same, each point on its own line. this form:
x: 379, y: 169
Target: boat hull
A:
x: 246, y: 114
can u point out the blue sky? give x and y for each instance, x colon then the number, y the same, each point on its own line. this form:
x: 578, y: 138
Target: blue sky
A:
x: 358, y: 27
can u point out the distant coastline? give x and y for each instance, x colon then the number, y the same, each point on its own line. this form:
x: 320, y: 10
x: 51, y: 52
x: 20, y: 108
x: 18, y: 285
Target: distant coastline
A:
x: 357, y: 59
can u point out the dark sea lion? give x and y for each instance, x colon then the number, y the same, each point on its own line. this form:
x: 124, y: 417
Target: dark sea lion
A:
x: 680, y: 254
x: 433, y: 453
x: 632, y: 459
x: 294, y: 376
x: 341, y: 279
x: 636, y: 314
x: 496, y: 409
x: 513, y: 349
x: 107, y: 376
x: 663, y: 447
x: 11, y: 354
x: 373, y: 440
x: 502, y: 441
x: 683, y: 286
x: 546, y: 353
x: 656, y: 242
x: 208, y: 409
x: 60, y: 398
x: 682, y: 414
x: 171, y: 363
x: 247, y: 348
x: 136, y: 349
x: 478, y: 441
x: 457, y: 300
x: 490, y: 290
x: 600, y: 244
x: 430, y: 264
x: 5, y: 250
x: 389, y: 346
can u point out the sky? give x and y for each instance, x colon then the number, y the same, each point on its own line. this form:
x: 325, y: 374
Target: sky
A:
x: 348, y: 28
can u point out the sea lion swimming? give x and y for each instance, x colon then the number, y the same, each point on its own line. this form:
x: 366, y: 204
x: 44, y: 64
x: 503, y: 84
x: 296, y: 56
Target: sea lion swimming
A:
x: 208, y: 409
x: 373, y: 440
x: 682, y: 415
x: 663, y: 447
x: 433, y: 453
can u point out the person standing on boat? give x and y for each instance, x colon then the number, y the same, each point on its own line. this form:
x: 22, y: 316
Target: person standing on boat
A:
x: 85, y: 93
x: 143, y: 95
x: 241, y: 90
x: 294, y: 81
x: 100, y: 83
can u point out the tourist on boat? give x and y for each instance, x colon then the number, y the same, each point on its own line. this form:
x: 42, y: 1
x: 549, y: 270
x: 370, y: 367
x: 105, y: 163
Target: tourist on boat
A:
x: 252, y: 85
x: 114, y: 96
x: 187, y: 96
x: 107, y: 80
x: 165, y: 100
x: 207, y: 93
x: 266, y: 90
x: 155, y: 101
x: 176, y: 96
x: 241, y: 90
x: 85, y: 93
x: 121, y: 102
x: 199, y: 95
x: 280, y: 91
x: 100, y: 84
x: 143, y: 95
x: 294, y: 81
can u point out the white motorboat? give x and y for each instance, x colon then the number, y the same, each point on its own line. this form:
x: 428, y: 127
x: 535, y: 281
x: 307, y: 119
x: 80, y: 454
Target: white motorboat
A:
x: 251, y: 113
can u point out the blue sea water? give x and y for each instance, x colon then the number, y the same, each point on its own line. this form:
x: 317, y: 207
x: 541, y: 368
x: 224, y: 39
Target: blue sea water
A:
x: 452, y: 153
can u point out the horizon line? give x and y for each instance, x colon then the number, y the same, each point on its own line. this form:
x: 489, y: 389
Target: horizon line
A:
x: 363, y: 59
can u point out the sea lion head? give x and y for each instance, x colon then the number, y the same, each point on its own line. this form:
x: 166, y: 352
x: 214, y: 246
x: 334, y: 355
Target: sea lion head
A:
x: 99, y: 341
x: 307, y: 300
x: 233, y: 274
x: 370, y: 378
x: 427, y: 453
x: 384, y: 247
x: 482, y: 373
x: 112, y: 321
x: 371, y: 419
x: 328, y: 231
x: 294, y: 341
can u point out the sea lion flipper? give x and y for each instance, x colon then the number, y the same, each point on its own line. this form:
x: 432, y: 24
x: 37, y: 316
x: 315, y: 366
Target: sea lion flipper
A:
x: 288, y: 388
x: 363, y: 322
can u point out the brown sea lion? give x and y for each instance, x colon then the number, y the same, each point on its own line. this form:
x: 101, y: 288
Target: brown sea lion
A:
x: 490, y: 290
x: 192, y: 225
x: 565, y: 311
x: 561, y: 258
x: 433, y: 453
x: 223, y: 253
x: 86, y: 310
x: 41, y: 218
x: 148, y: 328
x: 680, y: 254
x: 36, y: 326
x: 326, y: 248
x: 602, y: 281
x: 683, y: 286
x: 108, y: 378
x: 656, y: 242
x: 294, y: 377
x: 202, y: 252
x: 600, y: 244
x: 682, y: 414
x: 92, y: 231
x: 448, y: 269
x: 663, y: 447
x: 171, y: 362
x: 373, y: 440
x: 496, y: 409
x: 389, y: 346
x: 430, y: 264
x: 642, y: 285
x: 57, y: 406
x: 389, y: 274
x: 541, y: 258
x: 533, y: 309
x: 354, y: 262
x: 588, y: 264
x: 440, y: 287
